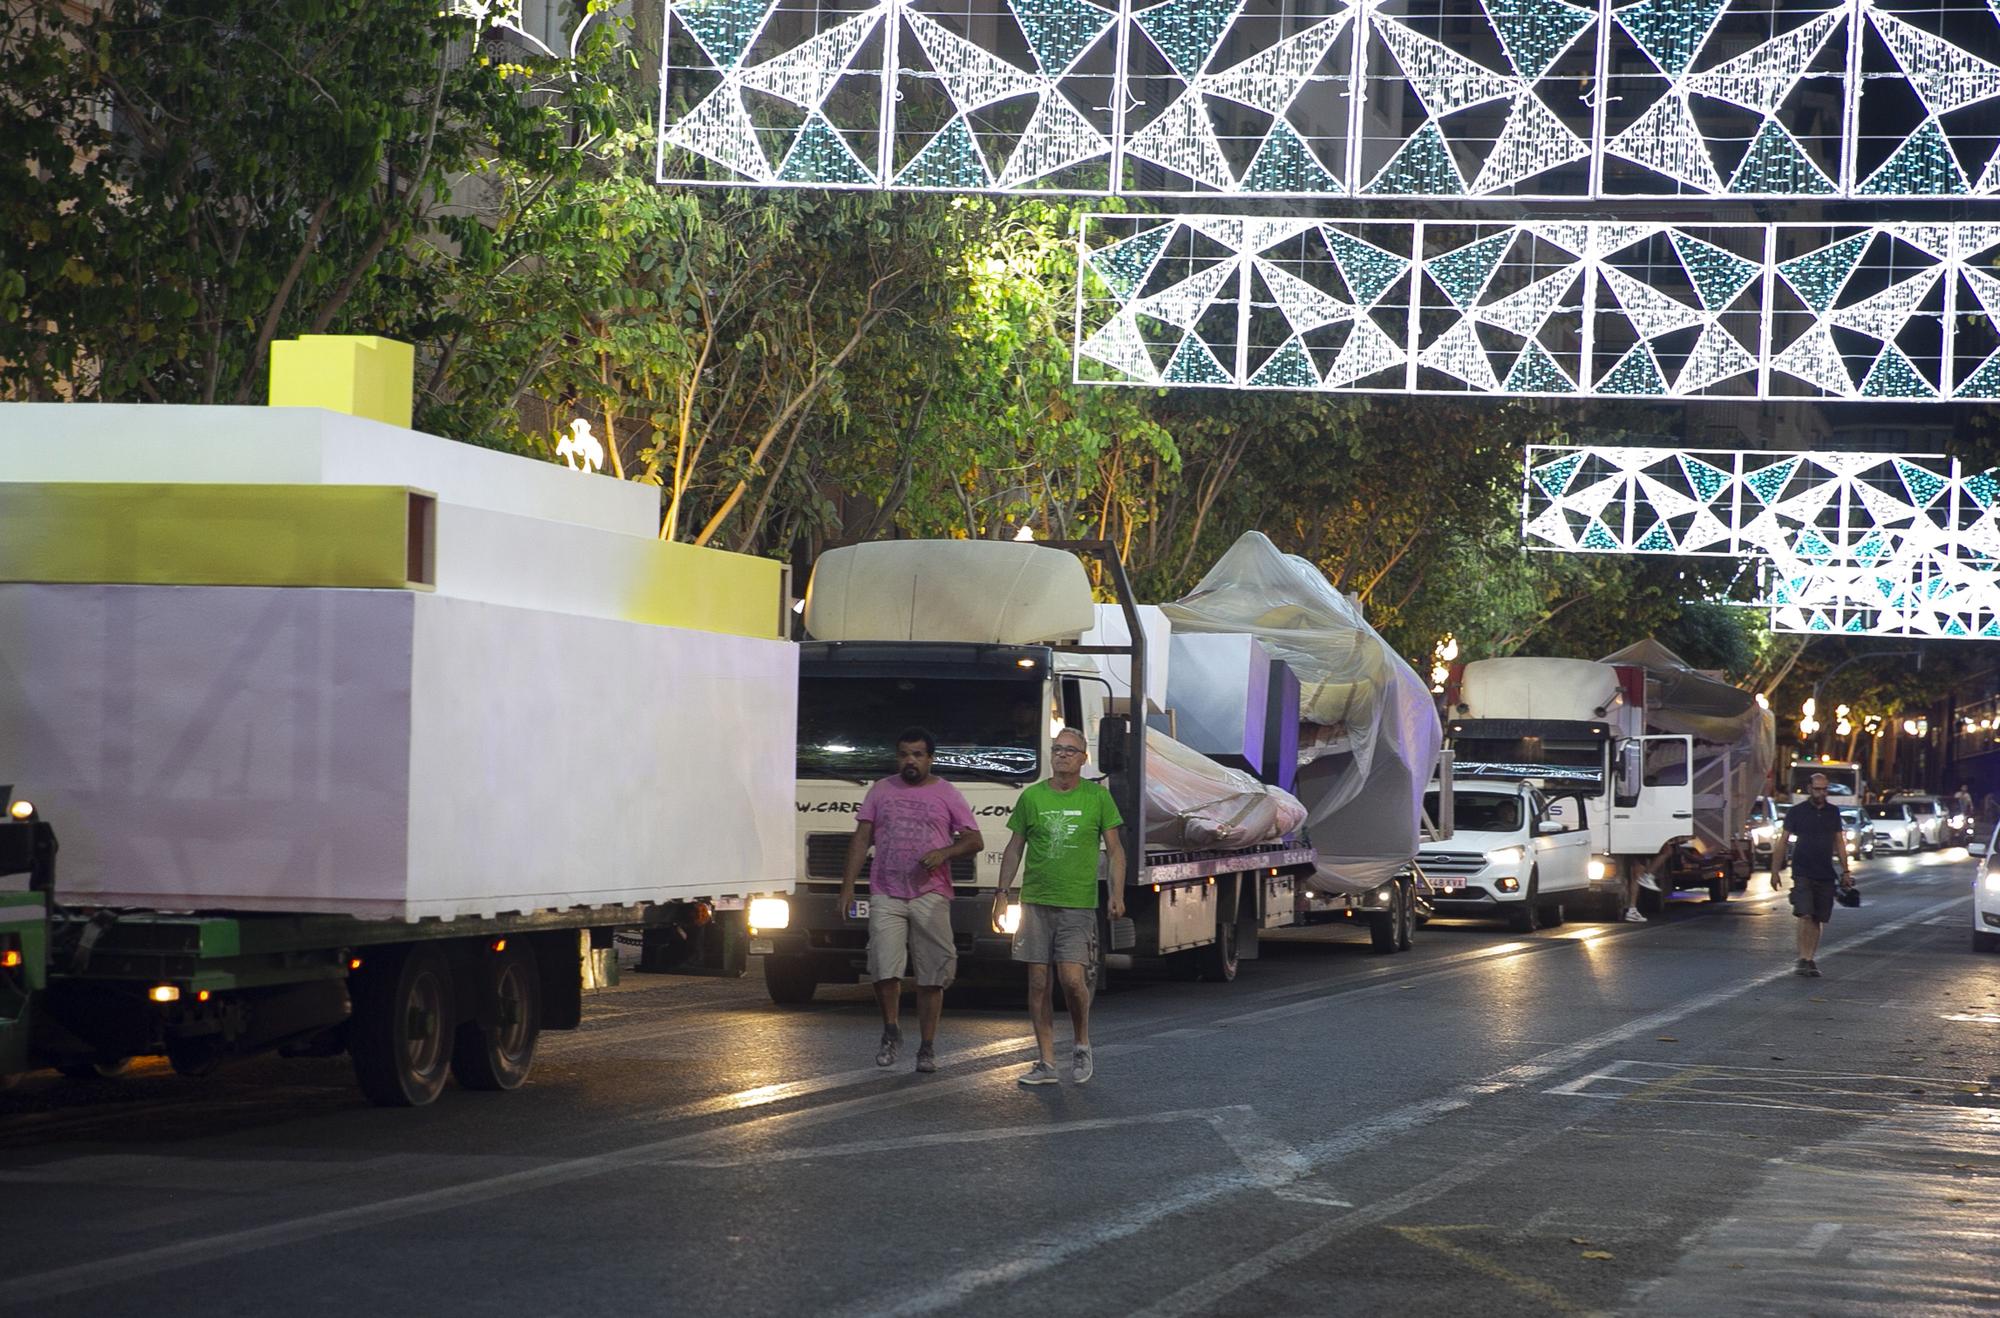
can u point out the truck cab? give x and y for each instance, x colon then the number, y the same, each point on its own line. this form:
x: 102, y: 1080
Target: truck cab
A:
x: 1516, y: 851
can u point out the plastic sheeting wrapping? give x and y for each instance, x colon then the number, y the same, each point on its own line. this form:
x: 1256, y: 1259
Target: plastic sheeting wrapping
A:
x: 1371, y: 735
x: 1194, y: 803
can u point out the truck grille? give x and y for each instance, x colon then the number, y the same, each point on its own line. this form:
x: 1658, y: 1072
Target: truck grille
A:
x: 1451, y: 862
x: 826, y: 856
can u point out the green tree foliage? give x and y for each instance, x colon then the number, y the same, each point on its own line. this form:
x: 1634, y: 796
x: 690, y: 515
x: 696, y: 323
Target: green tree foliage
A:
x: 186, y: 180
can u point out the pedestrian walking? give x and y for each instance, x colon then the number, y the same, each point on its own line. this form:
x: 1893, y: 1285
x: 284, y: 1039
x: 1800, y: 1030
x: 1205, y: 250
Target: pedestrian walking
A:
x: 918, y: 824
x: 1058, y: 824
x: 1813, y: 841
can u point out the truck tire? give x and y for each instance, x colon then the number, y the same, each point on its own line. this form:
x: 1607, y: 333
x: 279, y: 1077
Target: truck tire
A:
x: 401, y: 1033
x: 1216, y: 963
x: 790, y: 980
x: 494, y: 1047
x: 1404, y: 936
x: 1385, y: 928
x: 1718, y: 889
x: 1527, y: 917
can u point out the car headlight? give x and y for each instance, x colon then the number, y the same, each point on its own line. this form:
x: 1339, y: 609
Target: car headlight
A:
x: 22, y: 811
x: 1597, y: 868
x: 1010, y: 919
x: 1763, y: 833
x: 1958, y: 821
x: 1991, y: 882
x: 769, y: 913
x: 1505, y: 856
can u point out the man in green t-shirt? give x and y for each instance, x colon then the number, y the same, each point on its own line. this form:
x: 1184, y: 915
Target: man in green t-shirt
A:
x: 1059, y: 824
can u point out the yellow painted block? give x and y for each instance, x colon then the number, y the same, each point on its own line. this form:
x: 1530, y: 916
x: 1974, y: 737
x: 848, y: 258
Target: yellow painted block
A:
x: 218, y: 535
x: 710, y: 590
x: 360, y: 374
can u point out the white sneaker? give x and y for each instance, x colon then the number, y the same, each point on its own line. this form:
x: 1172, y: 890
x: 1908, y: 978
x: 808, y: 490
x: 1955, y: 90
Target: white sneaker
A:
x: 1041, y: 1073
x: 1081, y: 1067
x: 1632, y: 916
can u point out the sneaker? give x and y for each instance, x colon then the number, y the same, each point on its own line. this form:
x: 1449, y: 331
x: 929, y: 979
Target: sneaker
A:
x: 926, y: 1059
x: 1804, y: 967
x: 1632, y: 916
x: 1081, y: 1067
x: 1812, y: 969
x: 1041, y: 1073
x: 892, y: 1043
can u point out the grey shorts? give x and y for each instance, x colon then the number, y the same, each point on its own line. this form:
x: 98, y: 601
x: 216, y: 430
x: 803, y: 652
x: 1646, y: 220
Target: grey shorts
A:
x: 1812, y: 899
x: 1066, y: 935
x: 912, y: 934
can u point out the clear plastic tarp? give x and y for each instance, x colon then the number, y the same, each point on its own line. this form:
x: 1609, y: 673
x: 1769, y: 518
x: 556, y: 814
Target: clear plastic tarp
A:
x: 1194, y: 803
x: 1370, y: 735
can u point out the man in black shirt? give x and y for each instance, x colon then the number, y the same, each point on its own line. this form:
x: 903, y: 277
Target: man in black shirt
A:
x: 1817, y: 847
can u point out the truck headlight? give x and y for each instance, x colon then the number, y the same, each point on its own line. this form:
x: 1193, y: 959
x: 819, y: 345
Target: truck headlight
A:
x: 1505, y: 856
x: 770, y: 913
x: 1597, y: 868
x: 1010, y: 919
x: 22, y: 811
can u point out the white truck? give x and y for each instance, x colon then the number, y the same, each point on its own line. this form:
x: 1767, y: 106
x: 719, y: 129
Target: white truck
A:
x: 993, y: 647
x: 1516, y: 853
x: 1647, y: 748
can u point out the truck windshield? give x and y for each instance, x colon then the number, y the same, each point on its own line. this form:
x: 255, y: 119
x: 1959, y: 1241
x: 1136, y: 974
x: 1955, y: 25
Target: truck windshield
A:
x: 1479, y: 812
x: 848, y: 725
x: 1580, y: 760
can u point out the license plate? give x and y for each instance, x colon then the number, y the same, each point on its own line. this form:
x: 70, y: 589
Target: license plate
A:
x: 1450, y: 883
x: 762, y: 947
x: 857, y: 910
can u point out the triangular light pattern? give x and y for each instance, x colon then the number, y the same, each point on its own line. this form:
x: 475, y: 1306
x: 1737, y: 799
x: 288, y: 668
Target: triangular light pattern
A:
x: 1366, y: 351
x: 951, y: 160
x: 1457, y: 352
x: 1526, y: 310
x: 1444, y: 80
x: 821, y: 155
x: 1817, y: 277
x: 1923, y: 166
x: 1670, y: 31
x: 1717, y: 356
x: 1893, y: 376
x: 1532, y: 142
x: 1193, y: 363
x: 1272, y: 79
x: 804, y: 74
x: 724, y: 28
x: 1666, y: 139
x: 1946, y: 77
x: 1636, y: 373
x: 1421, y: 167
x: 1119, y: 345
x: 1776, y: 165
x: 1058, y: 137
x: 1535, y: 33
x: 1183, y: 140
x: 719, y: 129
x: 1535, y: 372
x: 1883, y: 315
x: 1059, y: 31
x: 1187, y: 31
x: 1762, y: 77
x: 1304, y: 306
x: 1124, y: 264
x: 1651, y: 312
x: 1718, y: 275
x: 1554, y: 476
x: 972, y: 77
x: 1286, y: 164
x: 1463, y: 272
x: 1704, y: 478
x: 1287, y: 368
x: 1369, y: 271
x: 1183, y: 304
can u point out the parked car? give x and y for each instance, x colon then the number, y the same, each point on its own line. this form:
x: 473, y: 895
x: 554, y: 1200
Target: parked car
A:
x: 1896, y: 825
x: 1986, y: 893
x: 1767, y: 816
x: 1512, y: 855
x: 1933, y: 819
x: 1860, y: 837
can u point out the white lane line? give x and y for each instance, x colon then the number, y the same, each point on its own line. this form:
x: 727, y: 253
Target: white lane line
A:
x: 1201, y: 1191
x: 904, y: 1143
x: 1193, y: 1193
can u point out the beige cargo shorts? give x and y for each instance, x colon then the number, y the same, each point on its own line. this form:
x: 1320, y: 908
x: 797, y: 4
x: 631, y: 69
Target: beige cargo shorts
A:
x: 913, y: 934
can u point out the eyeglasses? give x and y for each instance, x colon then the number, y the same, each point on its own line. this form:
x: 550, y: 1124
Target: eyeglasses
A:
x: 1067, y: 750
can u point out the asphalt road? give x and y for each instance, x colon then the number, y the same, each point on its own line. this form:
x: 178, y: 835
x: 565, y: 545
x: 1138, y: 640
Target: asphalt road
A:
x: 1599, y: 1118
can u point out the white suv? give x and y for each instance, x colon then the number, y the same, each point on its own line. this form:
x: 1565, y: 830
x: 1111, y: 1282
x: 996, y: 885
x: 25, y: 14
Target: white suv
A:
x: 1510, y: 855
x: 1986, y: 893
x: 1896, y: 826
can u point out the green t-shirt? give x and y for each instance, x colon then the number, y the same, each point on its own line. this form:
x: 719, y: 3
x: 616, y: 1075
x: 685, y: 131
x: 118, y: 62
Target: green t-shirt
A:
x: 1062, y: 830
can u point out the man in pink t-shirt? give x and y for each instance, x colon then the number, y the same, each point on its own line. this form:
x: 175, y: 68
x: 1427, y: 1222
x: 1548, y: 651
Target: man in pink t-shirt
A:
x: 918, y: 823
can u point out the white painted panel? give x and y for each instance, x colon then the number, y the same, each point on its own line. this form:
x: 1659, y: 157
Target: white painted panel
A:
x: 254, y: 749
x: 212, y: 747
x: 564, y: 760
x: 303, y: 446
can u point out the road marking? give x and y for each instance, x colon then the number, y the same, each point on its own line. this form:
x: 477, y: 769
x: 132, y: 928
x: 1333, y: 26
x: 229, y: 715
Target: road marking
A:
x: 1430, y: 1238
x: 904, y: 1143
x: 1200, y: 1191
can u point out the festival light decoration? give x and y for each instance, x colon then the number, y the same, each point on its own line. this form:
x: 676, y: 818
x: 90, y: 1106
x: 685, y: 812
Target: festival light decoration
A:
x: 1361, y: 98
x: 1855, y: 543
x: 1577, y: 308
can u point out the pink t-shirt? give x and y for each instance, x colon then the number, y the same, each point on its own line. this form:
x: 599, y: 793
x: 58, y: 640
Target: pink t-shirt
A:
x: 908, y: 822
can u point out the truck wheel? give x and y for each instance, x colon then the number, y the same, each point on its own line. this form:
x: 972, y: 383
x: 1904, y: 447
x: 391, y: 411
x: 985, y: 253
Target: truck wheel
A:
x: 401, y: 1032
x: 1410, y: 920
x: 789, y: 980
x: 108, y: 1069
x: 1527, y: 917
x: 1385, y: 927
x: 1718, y: 890
x: 1216, y: 963
x: 495, y: 1054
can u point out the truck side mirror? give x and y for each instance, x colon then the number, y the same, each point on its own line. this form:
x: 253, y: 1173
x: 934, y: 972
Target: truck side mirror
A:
x: 1114, y: 737
x: 1631, y: 764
